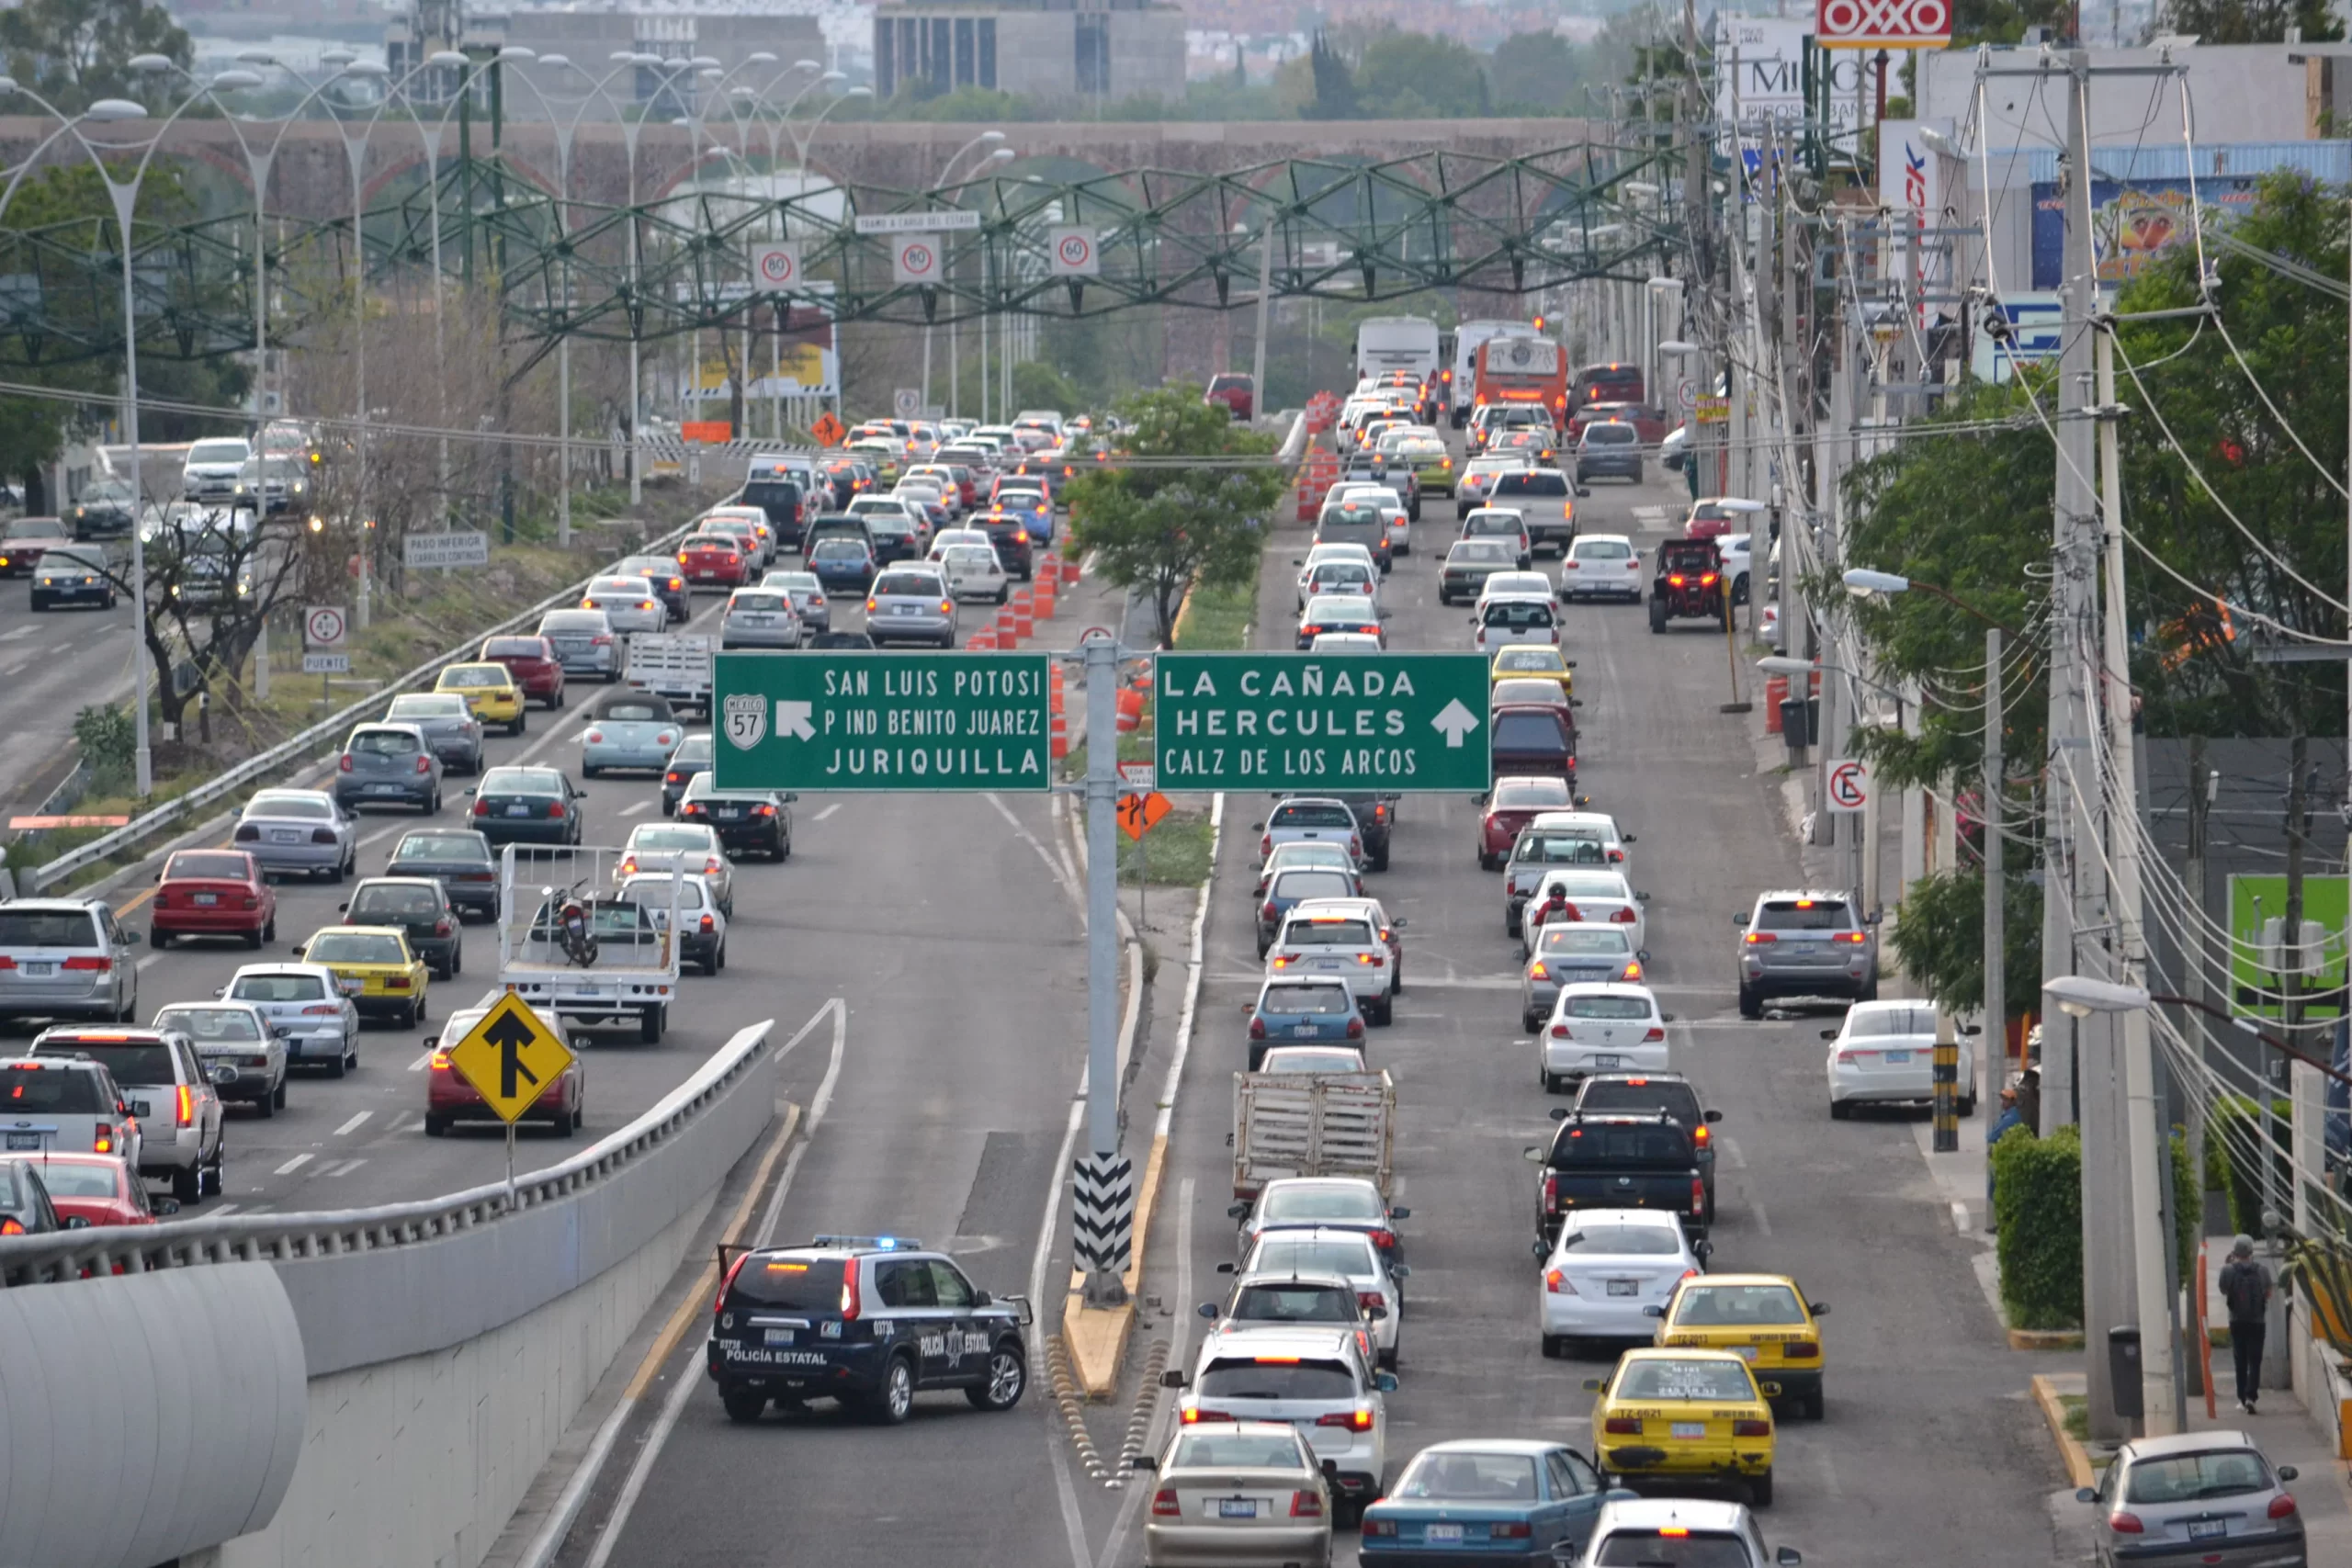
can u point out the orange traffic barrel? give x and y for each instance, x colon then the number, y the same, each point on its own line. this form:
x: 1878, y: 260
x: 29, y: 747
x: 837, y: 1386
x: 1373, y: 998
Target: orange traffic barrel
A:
x: 1130, y: 706
x: 1059, y: 733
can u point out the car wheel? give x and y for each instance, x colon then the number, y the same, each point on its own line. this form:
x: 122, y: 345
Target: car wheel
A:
x: 432, y: 806
x: 1842, y: 1110
x: 894, y: 1401
x: 1759, y: 1490
x: 719, y: 960
x: 1751, y: 1005
x: 1967, y: 1107
x: 351, y: 1049
x: 1529, y: 1021
x: 267, y: 1105
x: 521, y: 722
x: 565, y: 1123
x: 1004, y: 1382
x: 209, y: 1178
x: 436, y: 1126
x: 256, y: 939
x: 1555, y: 1346
x: 1511, y: 924
x: 1814, y: 1405
x: 278, y: 1095
x: 589, y: 770
x: 649, y: 1027
x: 1544, y: 1076
x: 744, y: 1405
x: 187, y: 1184
x: 456, y: 961
x: 1658, y: 615
x: 158, y: 939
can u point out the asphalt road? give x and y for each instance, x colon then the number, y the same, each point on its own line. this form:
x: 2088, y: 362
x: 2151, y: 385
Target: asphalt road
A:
x: 53, y: 665
x: 1927, y: 1440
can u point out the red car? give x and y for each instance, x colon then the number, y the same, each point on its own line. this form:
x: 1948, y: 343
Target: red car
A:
x: 450, y: 1098
x: 212, y: 893
x: 1514, y: 804
x: 98, y: 1188
x: 532, y: 662
x: 1710, y: 518
x: 24, y: 541
x: 1238, y: 390
x: 717, y: 559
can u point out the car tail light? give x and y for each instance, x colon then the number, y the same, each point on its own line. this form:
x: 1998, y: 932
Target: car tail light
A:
x: 10, y: 1225
x: 1697, y: 1195
x: 1508, y: 1529
x: 1164, y: 1504
x: 1675, y: 581
x: 99, y: 964
x: 1356, y: 1420
x: 1702, y: 1135
x: 1800, y: 1350
x: 849, y: 1293
x: 554, y: 809
x: 727, y: 1283
x: 1652, y: 1035
x: 1257, y: 1029
x: 396, y: 983
x: 1380, y: 1526
x: 1573, y: 565
x: 323, y: 835
x: 1624, y: 916
x: 1355, y: 1029
x: 1355, y: 847
x: 596, y: 737
x: 424, y: 764
x: 102, y: 1142
x: 481, y: 808
x: 1551, y: 1192
x: 1623, y: 1426
x: 1558, y: 1283
x: 2122, y: 1523
x: 1306, y: 1504
x: 247, y: 834
x: 252, y: 903
x: 439, y: 1063
x: 1384, y: 1240
x: 1537, y: 971
x: 1632, y: 970
x: 1751, y: 1428
x: 1857, y: 938
x: 681, y: 558
x: 1370, y: 1299
x: 601, y: 639
x: 343, y: 762
x: 1706, y: 580
x: 1756, y: 939
x: 645, y: 603
x: 1378, y: 960
x: 1265, y: 844
x: 1193, y: 1413
x: 184, y: 1106
x: 441, y: 927
x: 2282, y: 1506
x: 673, y: 778
x: 869, y: 606
x: 708, y: 924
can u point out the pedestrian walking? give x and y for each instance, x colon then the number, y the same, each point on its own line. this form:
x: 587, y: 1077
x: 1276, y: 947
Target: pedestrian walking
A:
x: 2245, y: 1289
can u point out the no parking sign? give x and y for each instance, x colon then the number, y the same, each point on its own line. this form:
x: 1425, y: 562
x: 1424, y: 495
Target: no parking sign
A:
x: 1071, y: 252
x: 915, y: 258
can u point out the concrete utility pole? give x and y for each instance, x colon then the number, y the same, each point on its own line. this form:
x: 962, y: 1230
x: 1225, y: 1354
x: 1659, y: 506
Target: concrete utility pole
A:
x: 2203, y: 785
x: 1995, y: 808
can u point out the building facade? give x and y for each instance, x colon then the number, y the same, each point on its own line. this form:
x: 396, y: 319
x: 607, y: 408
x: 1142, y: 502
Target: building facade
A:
x: 1056, y: 49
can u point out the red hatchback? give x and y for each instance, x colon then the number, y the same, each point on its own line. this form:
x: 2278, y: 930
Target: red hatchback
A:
x: 98, y: 1188
x: 714, y: 561
x: 213, y: 893
x: 532, y: 662
x: 450, y: 1098
x: 1514, y: 804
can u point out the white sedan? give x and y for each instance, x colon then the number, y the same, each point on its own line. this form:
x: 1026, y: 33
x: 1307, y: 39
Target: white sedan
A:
x: 1343, y: 576
x: 1603, y: 898
x: 1885, y: 1053
x: 1609, y: 1269
x: 1600, y: 1027
x: 629, y: 603
x: 973, y: 572
x: 1516, y: 585
x: 1601, y: 565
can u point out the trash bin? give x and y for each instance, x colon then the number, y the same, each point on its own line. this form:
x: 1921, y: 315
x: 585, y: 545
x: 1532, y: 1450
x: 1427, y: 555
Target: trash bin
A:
x: 1800, y: 722
x: 2124, y: 1369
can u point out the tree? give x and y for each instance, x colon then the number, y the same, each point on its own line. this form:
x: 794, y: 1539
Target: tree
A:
x: 74, y: 52
x: 1403, y: 75
x: 2251, y: 21
x: 1188, y: 507
x: 1941, y: 939
x: 1335, y: 85
x: 2004, y: 21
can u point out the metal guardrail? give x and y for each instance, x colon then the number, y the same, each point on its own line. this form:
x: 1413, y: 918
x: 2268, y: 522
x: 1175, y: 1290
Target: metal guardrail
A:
x: 300, y: 744
x: 277, y: 1238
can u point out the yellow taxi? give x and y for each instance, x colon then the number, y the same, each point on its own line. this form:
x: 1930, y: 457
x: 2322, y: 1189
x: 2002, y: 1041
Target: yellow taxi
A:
x: 490, y: 690
x: 1763, y: 1319
x: 1683, y: 1414
x: 374, y: 967
x: 883, y: 453
x: 1431, y: 460
x: 1534, y: 661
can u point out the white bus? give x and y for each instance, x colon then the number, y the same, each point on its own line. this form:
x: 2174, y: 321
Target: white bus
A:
x: 1396, y: 342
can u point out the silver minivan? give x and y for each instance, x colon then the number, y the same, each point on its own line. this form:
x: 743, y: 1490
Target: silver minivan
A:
x: 911, y: 604
x: 66, y: 958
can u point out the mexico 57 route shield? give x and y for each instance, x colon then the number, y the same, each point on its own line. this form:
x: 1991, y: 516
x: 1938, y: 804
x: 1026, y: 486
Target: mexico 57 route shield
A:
x: 854, y: 720
x: 1391, y: 722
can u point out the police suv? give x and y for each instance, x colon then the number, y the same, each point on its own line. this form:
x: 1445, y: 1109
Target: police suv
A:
x: 869, y: 1321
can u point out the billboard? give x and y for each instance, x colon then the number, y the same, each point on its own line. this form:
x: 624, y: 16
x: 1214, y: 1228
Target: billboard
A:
x: 2133, y: 223
x: 1761, y: 79
x: 1910, y: 188
x: 2258, y: 953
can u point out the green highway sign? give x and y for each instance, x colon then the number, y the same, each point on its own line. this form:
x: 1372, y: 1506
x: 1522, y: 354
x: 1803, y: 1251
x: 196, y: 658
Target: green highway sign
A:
x: 855, y: 720
x: 1396, y: 722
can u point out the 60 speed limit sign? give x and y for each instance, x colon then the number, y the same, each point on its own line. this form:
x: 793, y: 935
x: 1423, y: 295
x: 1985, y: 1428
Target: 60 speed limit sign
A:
x: 1070, y: 251
x: 1849, y: 784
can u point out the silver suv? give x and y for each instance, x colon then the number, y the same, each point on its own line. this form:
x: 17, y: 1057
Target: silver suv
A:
x: 64, y: 1104
x: 65, y: 958
x: 1806, y: 944
x: 169, y: 1089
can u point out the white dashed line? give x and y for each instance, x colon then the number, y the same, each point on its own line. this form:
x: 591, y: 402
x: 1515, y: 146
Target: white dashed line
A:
x: 1959, y: 1216
x: 146, y: 961
x: 422, y: 1059
x: 634, y: 807
x: 220, y: 1209
x: 291, y: 1165
x: 20, y: 631
x: 354, y: 1122
x: 345, y: 1168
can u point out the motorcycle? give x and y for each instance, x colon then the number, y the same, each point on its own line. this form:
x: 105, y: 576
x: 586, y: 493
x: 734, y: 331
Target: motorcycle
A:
x: 572, y: 929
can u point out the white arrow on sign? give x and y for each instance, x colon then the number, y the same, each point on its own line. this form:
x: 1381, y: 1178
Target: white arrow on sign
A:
x: 792, y: 718
x: 1455, y: 721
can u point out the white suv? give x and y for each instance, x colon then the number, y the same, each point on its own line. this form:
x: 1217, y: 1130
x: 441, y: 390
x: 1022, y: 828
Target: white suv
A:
x: 1315, y: 1378
x: 1321, y: 942
x: 168, y: 1090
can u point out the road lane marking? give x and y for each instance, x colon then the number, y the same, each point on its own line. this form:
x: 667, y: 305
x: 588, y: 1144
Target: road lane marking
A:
x: 1732, y: 1155
x: 1076, y: 895
x: 422, y: 1059
x: 220, y: 1209
x: 291, y: 1165
x: 827, y: 812
x: 20, y: 631
x: 634, y: 807
x: 386, y: 832
x: 354, y: 1122
x: 149, y: 959
x: 345, y: 1168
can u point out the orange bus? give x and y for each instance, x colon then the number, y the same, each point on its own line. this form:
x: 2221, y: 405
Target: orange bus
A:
x: 1521, y: 370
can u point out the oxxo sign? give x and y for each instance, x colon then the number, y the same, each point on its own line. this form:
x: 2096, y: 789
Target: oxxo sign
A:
x: 1882, y: 23
x: 1390, y: 722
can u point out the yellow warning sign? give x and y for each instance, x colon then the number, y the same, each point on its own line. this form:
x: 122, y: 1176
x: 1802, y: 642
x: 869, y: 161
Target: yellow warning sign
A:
x: 511, y: 1056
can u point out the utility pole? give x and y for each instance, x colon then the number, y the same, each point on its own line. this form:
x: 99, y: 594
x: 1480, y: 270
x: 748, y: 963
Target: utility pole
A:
x: 1995, y: 808
x: 2202, y: 787
x: 2276, y: 1199
x: 1797, y: 414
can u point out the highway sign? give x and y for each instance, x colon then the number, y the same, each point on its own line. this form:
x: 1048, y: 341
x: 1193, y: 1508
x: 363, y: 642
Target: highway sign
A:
x: 327, y: 664
x: 1849, y: 783
x: 1139, y: 814
x: 1389, y: 722
x: 917, y: 223
x: 906, y: 401
x: 447, y: 552
x: 323, y: 627
x: 510, y: 1057
x: 827, y: 430
x: 857, y: 720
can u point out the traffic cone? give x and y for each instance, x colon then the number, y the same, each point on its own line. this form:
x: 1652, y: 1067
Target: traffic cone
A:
x: 1130, y: 706
x: 1042, y: 596
x: 1024, y: 619
x: 1060, y: 733
x: 1054, y: 688
x: 982, y: 641
x: 1008, y: 634
x: 1069, y: 572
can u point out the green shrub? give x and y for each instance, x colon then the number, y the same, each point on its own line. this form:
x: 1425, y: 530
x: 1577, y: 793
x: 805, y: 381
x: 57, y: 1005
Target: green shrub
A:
x: 108, y: 741
x: 2038, y: 1198
x: 2233, y: 1157
x: 2187, y: 1207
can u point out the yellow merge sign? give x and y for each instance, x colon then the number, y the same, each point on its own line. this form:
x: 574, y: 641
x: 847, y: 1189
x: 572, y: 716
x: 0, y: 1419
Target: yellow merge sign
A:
x: 511, y: 1056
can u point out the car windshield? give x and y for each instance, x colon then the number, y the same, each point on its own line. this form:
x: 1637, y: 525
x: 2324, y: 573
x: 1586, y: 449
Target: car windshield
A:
x: 1677, y: 1100
x: 1281, y: 1254
x: 1481, y: 552
x: 134, y: 1063
x: 839, y: 549
x: 1694, y: 1380
x: 68, y: 559
x: 1293, y: 1204
x: 1328, y: 1002
x: 670, y: 837
x: 1311, y: 816
x: 790, y: 1284
x: 692, y: 749
x: 1470, y: 1478
x: 1530, y: 691
x: 277, y: 988
x: 303, y: 806
x: 1600, y: 550
x: 573, y: 620
x: 1249, y: 1377
x: 1501, y: 522
x: 1518, y: 614
x: 2185, y: 1478
x: 969, y: 556
x: 207, y: 866
x: 476, y: 675
x: 907, y: 584
x: 442, y: 847
x: 634, y: 710
x: 1611, y: 435
x: 354, y: 947
x: 1532, y: 482
x: 759, y: 602
x: 59, y: 1090
x: 1624, y: 1241
x: 1582, y: 939
x: 1603, y: 887
x: 372, y: 906
x: 384, y: 742
x: 1803, y: 915
x: 793, y: 581
x: 1237, y: 1450
x: 1323, y: 931
x: 216, y: 452
x: 1524, y: 793
x: 1310, y: 1059
x: 35, y: 528
x: 76, y: 1179
x: 423, y: 705
x: 1295, y: 1304
x: 521, y: 781
x: 1653, y: 1549
x: 206, y: 1025
x: 509, y: 648
x: 1738, y: 1306
x: 1528, y: 732
x: 1607, y: 1008
x: 1877, y: 1022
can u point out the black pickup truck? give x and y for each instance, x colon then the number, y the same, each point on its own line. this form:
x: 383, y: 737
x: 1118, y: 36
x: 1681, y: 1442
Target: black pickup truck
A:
x: 1617, y: 1160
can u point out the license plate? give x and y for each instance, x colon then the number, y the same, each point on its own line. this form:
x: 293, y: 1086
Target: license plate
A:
x: 1689, y: 1429
x: 205, y: 900
x: 910, y: 610
x: 2205, y: 1530
x: 1303, y: 1030
x: 1237, y: 1507
x: 38, y: 971
x: 383, y: 789
x: 518, y: 811
x: 1624, y: 1287
x: 566, y: 645
x: 1897, y: 1057
x: 285, y: 836
x: 24, y: 1140
x: 1606, y: 1062
x: 1442, y: 1532
x: 351, y: 987
x: 779, y: 1335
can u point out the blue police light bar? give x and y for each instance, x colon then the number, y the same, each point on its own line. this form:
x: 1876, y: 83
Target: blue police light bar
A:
x: 876, y: 1243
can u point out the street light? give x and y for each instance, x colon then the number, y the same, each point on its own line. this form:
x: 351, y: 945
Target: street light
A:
x: 2078, y: 997
x: 992, y: 139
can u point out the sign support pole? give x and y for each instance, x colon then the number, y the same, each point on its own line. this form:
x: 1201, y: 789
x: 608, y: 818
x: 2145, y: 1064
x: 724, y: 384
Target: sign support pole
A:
x: 510, y: 1165
x: 1102, y: 1207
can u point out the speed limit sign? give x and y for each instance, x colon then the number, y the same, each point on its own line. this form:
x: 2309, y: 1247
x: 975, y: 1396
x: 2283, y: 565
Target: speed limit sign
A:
x: 323, y: 627
x: 915, y: 259
x: 1071, y: 252
x: 777, y: 265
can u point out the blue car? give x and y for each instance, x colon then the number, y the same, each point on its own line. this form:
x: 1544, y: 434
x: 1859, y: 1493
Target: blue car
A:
x: 1303, y: 1012
x: 842, y: 565
x: 1486, y: 1500
x: 628, y: 729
